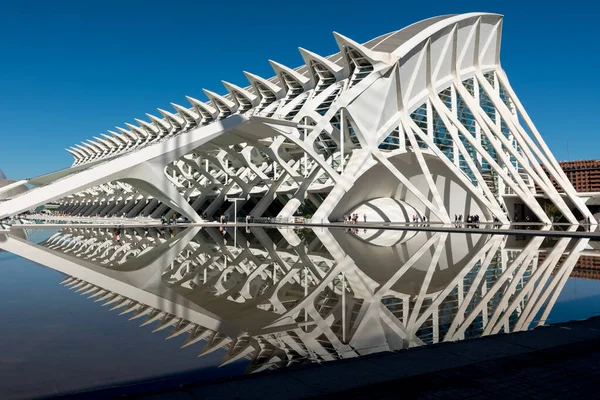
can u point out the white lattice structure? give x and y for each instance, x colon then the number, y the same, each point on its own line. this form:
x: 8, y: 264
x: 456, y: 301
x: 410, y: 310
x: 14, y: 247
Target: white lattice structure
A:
x: 278, y: 299
x: 418, y: 121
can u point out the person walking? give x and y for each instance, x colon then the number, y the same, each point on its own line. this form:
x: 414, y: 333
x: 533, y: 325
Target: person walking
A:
x: 365, y: 217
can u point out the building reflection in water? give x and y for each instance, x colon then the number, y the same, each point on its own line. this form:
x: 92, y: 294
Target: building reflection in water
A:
x: 279, y: 297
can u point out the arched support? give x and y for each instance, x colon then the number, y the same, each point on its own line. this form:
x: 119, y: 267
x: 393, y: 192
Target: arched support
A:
x: 149, y: 178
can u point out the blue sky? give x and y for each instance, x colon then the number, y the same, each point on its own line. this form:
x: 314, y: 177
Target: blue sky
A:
x: 72, y: 70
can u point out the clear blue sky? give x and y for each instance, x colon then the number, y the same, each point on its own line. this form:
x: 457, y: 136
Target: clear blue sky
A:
x: 72, y: 70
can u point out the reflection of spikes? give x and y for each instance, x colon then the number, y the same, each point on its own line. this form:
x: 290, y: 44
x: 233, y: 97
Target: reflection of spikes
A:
x: 132, y: 307
x: 100, y: 292
x: 181, y: 327
x: 197, y: 335
x: 241, y: 347
x: 108, y: 295
x: 265, y: 358
x: 73, y: 283
x: 143, y: 310
x: 166, y: 321
x: 121, y: 304
x: 86, y: 287
x: 153, y: 316
x: 216, y: 341
x: 78, y: 285
x: 93, y: 289
x: 67, y: 280
x: 113, y: 300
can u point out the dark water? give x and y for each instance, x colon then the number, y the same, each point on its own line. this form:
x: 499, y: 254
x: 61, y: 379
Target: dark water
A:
x: 225, y: 303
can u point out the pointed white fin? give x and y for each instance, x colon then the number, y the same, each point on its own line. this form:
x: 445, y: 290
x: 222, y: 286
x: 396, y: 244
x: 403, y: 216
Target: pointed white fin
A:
x: 175, y: 120
x: 108, y: 144
x: 260, y: 84
x: 113, y: 140
x: 159, y: 123
x: 346, y: 45
x: 92, y: 147
x: 290, y: 78
x: 207, y: 112
x: 138, y: 130
x: 226, y: 106
x: 152, y: 130
x: 130, y: 134
x: 189, y: 115
x: 312, y: 60
x: 242, y: 96
x: 125, y: 139
x: 75, y: 154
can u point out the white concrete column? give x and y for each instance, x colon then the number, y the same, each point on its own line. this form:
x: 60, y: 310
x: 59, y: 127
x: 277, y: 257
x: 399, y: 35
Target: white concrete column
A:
x: 453, y: 129
x: 429, y: 118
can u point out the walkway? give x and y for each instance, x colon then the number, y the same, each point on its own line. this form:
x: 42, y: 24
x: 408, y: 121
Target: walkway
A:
x: 518, y: 229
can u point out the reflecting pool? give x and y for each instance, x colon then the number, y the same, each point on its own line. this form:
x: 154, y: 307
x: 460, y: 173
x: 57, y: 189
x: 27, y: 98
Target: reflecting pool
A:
x: 240, y: 301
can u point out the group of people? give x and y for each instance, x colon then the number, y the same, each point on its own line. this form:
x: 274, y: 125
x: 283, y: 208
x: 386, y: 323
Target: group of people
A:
x: 471, y: 219
x: 165, y: 220
x: 117, y: 234
x: 419, y: 218
x: 353, y: 230
x: 353, y: 218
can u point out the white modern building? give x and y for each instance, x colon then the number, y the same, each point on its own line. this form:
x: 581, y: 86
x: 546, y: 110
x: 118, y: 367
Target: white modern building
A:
x: 422, y: 121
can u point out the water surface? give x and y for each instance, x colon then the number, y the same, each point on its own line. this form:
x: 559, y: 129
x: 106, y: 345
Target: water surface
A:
x: 239, y: 302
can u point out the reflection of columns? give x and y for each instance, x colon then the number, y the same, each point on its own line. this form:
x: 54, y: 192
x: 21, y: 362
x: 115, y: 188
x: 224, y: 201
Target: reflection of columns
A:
x: 137, y: 207
x: 149, y: 207
x: 80, y: 206
x: 124, y: 207
x: 304, y: 152
x: 138, y: 282
x: 276, y: 275
x: 109, y: 205
x: 342, y: 138
x: 343, y: 308
x: 160, y: 211
x: 88, y: 210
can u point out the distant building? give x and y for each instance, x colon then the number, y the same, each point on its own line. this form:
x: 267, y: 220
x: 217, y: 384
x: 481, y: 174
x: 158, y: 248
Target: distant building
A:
x: 583, y: 174
x: 587, y: 268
